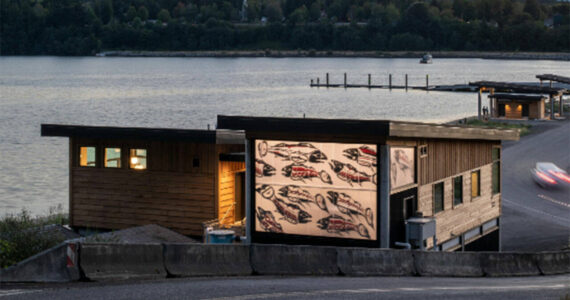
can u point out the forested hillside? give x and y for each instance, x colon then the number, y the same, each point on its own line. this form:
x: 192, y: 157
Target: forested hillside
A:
x: 85, y: 27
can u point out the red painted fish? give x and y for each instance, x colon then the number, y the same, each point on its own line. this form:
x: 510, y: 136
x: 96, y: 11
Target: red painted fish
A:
x: 349, y: 206
x: 337, y: 224
x: 298, y: 195
x: 267, y: 221
x: 292, y: 213
x: 296, y: 152
x: 263, y: 169
x: 350, y: 174
x: 302, y: 172
x: 363, y: 155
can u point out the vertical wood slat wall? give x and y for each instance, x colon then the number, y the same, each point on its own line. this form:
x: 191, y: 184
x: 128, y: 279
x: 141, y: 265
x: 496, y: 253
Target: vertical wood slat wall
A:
x: 172, y: 192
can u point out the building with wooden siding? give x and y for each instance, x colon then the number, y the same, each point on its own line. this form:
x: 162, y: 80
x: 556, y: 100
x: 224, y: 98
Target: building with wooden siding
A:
x: 359, y: 182
x: 123, y: 177
x: 517, y: 106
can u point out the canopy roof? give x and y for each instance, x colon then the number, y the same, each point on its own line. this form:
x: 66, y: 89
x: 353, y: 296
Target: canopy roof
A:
x: 518, y: 88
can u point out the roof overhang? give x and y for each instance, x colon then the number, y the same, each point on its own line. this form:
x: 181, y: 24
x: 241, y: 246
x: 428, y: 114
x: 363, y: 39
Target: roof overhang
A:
x: 518, y: 97
x: 518, y: 88
x: 138, y: 133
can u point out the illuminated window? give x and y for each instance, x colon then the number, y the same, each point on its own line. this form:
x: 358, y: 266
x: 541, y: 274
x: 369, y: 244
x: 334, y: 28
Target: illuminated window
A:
x: 457, y: 190
x: 87, y: 157
x: 138, y: 159
x: 437, y: 197
x: 112, y: 157
x: 475, y: 185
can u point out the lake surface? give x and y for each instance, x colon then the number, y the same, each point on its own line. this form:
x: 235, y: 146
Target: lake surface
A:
x: 191, y: 92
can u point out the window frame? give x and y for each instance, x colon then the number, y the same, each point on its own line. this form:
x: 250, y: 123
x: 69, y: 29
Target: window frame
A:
x: 423, y: 150
x: 478, y: 172
x: 435, y: 211
x: 120, y: 160
x: 79, y: 156
x: 454, y: 189
x: 130, y: 157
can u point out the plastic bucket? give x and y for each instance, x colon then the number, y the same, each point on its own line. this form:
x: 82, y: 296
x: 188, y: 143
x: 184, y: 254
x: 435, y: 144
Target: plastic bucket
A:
x: 221, y: 236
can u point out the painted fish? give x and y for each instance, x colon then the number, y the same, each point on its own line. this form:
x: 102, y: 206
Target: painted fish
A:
x: 296, y: 194
x: 363, y: 155
x: 338, y: 224
x: 350, y: 174
x: 349, y: 206
x: 292, y: 213
x: 302, y: 172
x: 296, y: 152
x: 263, y: 169
x: 267, y: 221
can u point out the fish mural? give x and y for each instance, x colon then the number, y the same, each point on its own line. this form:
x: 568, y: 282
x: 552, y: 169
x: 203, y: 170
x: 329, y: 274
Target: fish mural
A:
x: 363, y: 155
x: 263, y: 169
x: 292, y: 213
x: 337, y: 224
x: 296, y: 152
x: 300, y: 172
x: 267, y: 221
x: 350, y: 174
x: 349, y: 206
x: 299, y: 195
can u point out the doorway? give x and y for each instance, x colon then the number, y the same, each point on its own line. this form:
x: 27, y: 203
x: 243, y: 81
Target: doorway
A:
x: 239, y: 196
x: 403, y: 205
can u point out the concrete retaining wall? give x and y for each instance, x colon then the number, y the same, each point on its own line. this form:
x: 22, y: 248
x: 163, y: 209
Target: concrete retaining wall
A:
x: 550, y: 263
x: 375, y: 262
x: 120, y: 261
x: 509, y: 264
x: 464, y: 264
x: 206, y: 260
x: 58, y: 264
x: 293, y: 260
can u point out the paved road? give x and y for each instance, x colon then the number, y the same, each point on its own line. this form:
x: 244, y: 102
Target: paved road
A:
x: 262, y: 287
x: 536, y: 219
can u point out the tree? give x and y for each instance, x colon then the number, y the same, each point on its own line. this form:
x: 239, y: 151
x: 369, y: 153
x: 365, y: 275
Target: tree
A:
x: 532, y: 7
x: 300, y: 15
x: 131, y: 14
x: 272, y: 12
x: 142, y: 13
x: 163, y: 16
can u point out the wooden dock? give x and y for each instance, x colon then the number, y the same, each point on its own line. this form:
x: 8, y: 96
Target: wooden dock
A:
x: 446, y: 88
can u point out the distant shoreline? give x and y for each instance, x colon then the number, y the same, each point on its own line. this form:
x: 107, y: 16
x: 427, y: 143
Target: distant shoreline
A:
x: 557, y: 56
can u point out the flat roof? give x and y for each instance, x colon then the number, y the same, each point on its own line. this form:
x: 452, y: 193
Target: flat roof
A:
x: 357, y: 130
x: 518, y: 88
x: 139, y: 133
x: 518, y: 97
x: 557, y: 78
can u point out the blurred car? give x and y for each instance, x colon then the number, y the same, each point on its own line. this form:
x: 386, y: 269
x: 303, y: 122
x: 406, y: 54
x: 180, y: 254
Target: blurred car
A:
x: 547, y: 174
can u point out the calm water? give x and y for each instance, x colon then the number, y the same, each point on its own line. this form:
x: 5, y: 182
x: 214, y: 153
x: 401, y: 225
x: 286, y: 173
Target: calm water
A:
x: 190, y: 92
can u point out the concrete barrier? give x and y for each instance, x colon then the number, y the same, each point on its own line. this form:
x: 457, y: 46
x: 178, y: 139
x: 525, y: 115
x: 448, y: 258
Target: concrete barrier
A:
x: 293, y: 260
x: 461, y: 264
x: 58, y: 264
x: 509, y: 264
x: 375, y: 262
x: 206, y: 260
x: 550, y: 263
x: 121, y: 261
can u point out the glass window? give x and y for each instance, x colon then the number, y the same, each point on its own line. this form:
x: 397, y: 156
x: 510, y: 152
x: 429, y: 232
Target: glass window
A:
x: 496, y: 177
x: 87, y: 156
x: 112, y: 157
x: 437, y: 197
x: 475, y: 185
x: 457, y: 190
x: 496, y: 153
x: 138, y: 159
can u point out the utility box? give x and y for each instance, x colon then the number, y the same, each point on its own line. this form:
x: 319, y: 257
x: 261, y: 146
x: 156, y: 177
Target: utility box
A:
x: 418, y: 230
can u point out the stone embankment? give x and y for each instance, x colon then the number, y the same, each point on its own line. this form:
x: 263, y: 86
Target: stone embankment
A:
x: 100, y: 262
x: 563, y: 56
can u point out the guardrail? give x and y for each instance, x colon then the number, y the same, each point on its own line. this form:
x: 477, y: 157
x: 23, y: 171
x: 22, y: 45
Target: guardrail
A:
x: 119, y: 261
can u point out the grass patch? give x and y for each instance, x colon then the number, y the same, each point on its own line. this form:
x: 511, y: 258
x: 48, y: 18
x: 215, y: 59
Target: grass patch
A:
x: 22, y: 235
x: 524, y: 129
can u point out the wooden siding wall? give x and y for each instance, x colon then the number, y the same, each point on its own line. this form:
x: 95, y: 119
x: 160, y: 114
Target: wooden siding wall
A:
x: 512, y: 111
x: 172, y: 192
x: 448, y: 157
x: 536, y: 110
x: 227, y: 207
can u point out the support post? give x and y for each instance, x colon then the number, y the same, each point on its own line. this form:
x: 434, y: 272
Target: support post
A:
x: 540, y: 82
x: 551, y: 107
x: 384, y: 195
x: 561, y: 107
x: 406, y: 82
x: 427, y: 81
x: 345, y: 80
x: 390, y: 81
x: 318, y: 81
x: 248, y: 195
x: 479, y: 105
x: 311, y: 82
x: 327, y: 79
x: 369, y: 81
x: 550, y: 83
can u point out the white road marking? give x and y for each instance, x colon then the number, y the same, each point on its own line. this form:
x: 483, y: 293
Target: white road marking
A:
x: 373, y: 291
x: 558, y: 220
x: 553, y: 200
x: 6, y: 293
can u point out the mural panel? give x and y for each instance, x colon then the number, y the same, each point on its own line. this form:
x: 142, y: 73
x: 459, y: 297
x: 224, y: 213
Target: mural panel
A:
x: 402, y: 166
x: 316, y: 189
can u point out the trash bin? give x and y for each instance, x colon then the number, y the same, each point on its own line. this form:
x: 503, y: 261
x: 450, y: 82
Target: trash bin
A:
x: 221, y: 236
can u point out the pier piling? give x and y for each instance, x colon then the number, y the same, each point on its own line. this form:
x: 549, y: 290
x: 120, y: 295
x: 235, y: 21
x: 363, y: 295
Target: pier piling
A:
x: 369, y: 81
x: 427, y: 81
x: 406, y: 82
x: 327, y: 79
x: 345, y: 80
x: 390, y: 81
